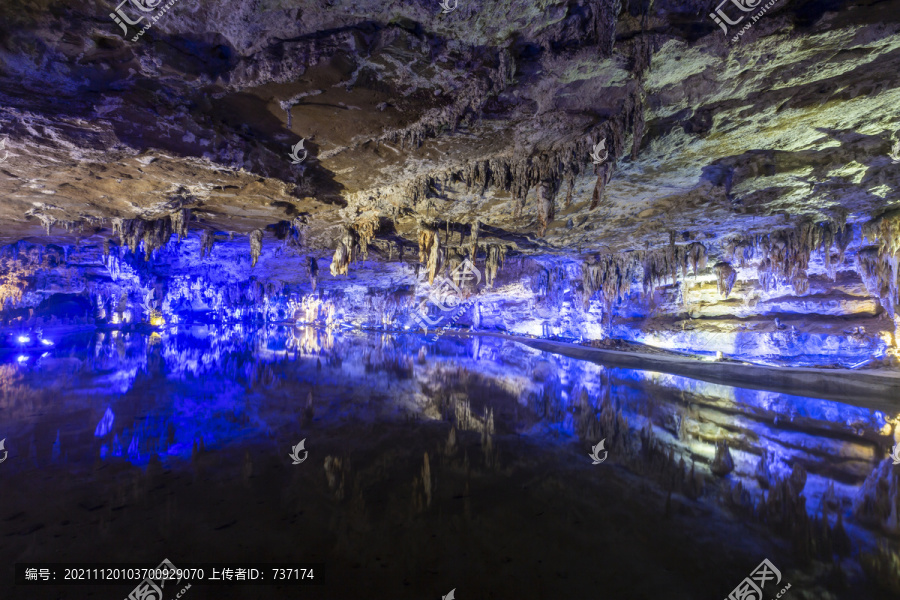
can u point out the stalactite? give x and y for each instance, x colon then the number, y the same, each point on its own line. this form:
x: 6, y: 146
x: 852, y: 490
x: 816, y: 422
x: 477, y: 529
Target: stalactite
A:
x: 517, y: 175
x: 880, y: 268
x: 153, y: 234
x: 604, y: 16
x: 496, y: 254
x: 726, y: 277
x: 723, y: 463
x: 784, y: 254
x: 156, y: 235
x: 312, y: 268
x: 800, y: 283
x: 545, y: 206
x: 469, y: 102
x: 430, y: 253
x: 611, y: 275
x: 345, y: 253
x: 879, y: 276
x: 256, y: 238
x: 180, y: 220
x: 473, y: 241
x: 637, y: 122
x: 365, y: 232
x: 695, y: 256
x: 604, y: 174
x: 207, y: 239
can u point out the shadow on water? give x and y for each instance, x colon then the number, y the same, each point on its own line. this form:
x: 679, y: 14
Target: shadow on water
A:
x: 461, y: 464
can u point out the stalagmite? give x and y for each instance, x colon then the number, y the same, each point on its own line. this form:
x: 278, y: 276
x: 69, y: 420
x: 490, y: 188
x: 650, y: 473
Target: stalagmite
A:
x: 256, y: 238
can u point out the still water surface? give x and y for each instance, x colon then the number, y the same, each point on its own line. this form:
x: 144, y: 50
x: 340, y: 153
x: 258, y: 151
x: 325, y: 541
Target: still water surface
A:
x: 457, y: 464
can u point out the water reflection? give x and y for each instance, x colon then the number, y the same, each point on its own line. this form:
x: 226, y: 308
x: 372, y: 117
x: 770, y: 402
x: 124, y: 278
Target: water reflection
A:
x: 185, y: 397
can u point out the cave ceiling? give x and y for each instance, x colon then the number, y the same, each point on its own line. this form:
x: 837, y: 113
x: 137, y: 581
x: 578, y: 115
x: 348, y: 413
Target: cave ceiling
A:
x: 410, y: 115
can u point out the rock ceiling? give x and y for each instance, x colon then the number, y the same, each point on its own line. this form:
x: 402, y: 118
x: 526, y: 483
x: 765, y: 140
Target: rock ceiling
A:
x: 488, y: 113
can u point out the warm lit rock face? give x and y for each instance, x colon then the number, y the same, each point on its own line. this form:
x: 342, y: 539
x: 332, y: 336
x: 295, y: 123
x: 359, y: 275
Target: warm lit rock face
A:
x: 612, y: 169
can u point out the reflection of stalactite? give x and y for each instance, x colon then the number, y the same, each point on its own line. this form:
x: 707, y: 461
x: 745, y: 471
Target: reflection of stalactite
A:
x: 255, y: 246
x: 473, y: 241
x: 726, y: 277
x: 878, y: 501
x: 883, y: 566
x: 336, y: 474
x: 426, y: 480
